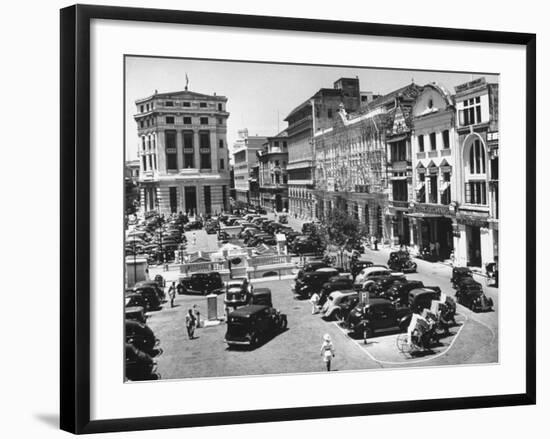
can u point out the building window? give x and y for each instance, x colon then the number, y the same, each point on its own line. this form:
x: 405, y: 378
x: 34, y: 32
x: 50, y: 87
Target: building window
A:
x: 206, y: 162
x: 220, y: 143
x: 222, y: 164
x: 169, y: 104
x: 446, y: 188
x: 329, y: 113
x: 141, y: 124
x: 144, y: 162
x: 187, y: 120
x: 433, y: 189
x: 284, y: 144
x: 285, y: 179
x: 141, y: 108
x: 476, y: 192
x: 446, y: 143
x: 148, y: 107
x: 275, y: 143
x: 204, y: 121
x: 207, y: 200
x: 171, y: 153
x: 202, y: 104
x: 421, y: 189
x: 421, y: 143
x: 187, y: 104
x: 477, y: 158
x: 173, y: 199
x: 471, y: 114
x: 170, y: 120
x: 276, y: 162
x: 433, y: 142
x: 220, y: 121
x: 154, y: 162
x: 399, y: 190
x: 143, y: 143
x: 204, y: 139
x: 220, y: 107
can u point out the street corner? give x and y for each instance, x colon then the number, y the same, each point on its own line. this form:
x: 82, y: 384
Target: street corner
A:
x: 393, y: 350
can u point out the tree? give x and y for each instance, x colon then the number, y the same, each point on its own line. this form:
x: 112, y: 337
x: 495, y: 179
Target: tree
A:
x: 339, y: 228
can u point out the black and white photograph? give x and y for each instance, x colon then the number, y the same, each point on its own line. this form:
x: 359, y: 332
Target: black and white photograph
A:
x: 307, y: 219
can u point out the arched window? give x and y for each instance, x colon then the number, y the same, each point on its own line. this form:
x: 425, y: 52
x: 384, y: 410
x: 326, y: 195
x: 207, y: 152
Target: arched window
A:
x: 475, y: 170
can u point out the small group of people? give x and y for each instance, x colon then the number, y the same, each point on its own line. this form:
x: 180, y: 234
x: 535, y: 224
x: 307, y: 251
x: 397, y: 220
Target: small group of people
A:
x: 193, y: 315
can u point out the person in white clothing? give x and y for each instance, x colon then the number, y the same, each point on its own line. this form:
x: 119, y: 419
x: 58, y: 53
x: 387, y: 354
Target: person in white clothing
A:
x: 327, y: 351
x: 314, y: 300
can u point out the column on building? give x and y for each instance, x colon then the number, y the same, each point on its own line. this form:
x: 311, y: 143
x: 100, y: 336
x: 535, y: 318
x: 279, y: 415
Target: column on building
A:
x: 179, y: 148
x: 161, y: 152
x: 196, y: 149
x: 214, y: 150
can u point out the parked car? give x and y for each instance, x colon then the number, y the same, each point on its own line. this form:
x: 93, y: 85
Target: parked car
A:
x: 421, y: 298
x: 136, y: 313
x: 336, y: 283
x: 202, y: 283
x: 378, y: 315
x: 460, y: 273
x: 150, y: 295
x: 261, y: 296
x: 139, y: 366
x: 193, y: 225
x: 153, y: 284
x: 365, y: 273
x: 313, y: 281
x: 357, y: 265
x: 311, y: 266
x: 339, y: 304
x: 141, y: 336
x: 237, y: 292
x: 252, y: 324
x: 401, y: 261
x: 399, y: 291
x: 470, y: 294
x: 291, y: 236
x: 263, y: 238
x: 308, y: 228
x: 379, y: 284
x: 307, y: 244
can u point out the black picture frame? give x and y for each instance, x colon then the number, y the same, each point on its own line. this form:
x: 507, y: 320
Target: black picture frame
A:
x: 75, y: 217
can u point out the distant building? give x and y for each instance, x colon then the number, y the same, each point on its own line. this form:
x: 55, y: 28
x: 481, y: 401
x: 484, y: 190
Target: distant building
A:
x: 183, y: 153
x: 312, y: 115
x: 477, y: 177
x: 244, y: 160
x: 273, y: 178
x: 131, y: 188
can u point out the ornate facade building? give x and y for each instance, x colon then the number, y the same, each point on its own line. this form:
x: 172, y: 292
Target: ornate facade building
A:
x: 435, y: 158
x: 272, y: 173
x: 477, y: 177
x: 183, y: 152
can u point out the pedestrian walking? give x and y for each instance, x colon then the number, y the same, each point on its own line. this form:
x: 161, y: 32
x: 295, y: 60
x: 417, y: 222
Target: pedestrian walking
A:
x: 314, y: 300
x: 172, y: 294
x: 190, y: 322
x: 197, y: 313
x: 327, y: 351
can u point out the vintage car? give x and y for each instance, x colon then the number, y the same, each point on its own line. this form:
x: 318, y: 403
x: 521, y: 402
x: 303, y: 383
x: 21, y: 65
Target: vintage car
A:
x: 261, y: 296
x: 365, y: 273
x: 136, y: 313
x: 237, y: 292
x: 401, y: 261
x: 399, y: 291
x: 201, y: 283
x: 311, y: 266
x: 470, y: 294
x: 460, y: 273
x: 313, y: 281
x: 263, y: 238
x: 150, y: 296
x: 377, y: 315
x: 307, y: 244
x: 339, y: 304
x: 335, y: 283
x: 308, y: 228
x: 141, y: 336
x: 291, y: 235
x: 193, y: 225
x: 139, y: 366
x: 357, y: 265
x: 380, y: 283
x: 421, y: 298
x: 252, y: 324
x: 153, y: 284
x: 283, y: 219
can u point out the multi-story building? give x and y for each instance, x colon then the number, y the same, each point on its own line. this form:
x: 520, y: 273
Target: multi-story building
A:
x: 183, y: 152
x: 131, y: 185
x: 273, y: 178
x: 434, y: 163
x: 477, y: 177
x: 244, y: 160
x: 351, y: 166
x: 314, y: 114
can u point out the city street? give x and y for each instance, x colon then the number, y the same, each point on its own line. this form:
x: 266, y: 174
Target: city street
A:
x: 296, y: 350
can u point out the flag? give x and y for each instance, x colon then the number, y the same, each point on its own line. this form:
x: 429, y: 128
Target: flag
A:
x: 186, y: 81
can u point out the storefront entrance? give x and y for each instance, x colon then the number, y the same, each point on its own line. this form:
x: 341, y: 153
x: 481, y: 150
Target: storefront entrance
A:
x: 191, y: 199
x: 473, y: 242
x: 437, y: 237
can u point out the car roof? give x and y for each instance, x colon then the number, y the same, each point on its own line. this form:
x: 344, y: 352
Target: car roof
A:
x: 326, y: 270
x: 418, y: 291
x: 379, y: 301
x: 261, y: 290
x: 247, y: 311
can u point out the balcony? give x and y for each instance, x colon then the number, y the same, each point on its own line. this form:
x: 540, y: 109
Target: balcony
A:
x: 400, y: 203
x: 399, y: 165
x: 432, y: 154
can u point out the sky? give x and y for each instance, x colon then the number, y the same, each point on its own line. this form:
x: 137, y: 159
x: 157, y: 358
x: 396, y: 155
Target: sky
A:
x: 260, y: 95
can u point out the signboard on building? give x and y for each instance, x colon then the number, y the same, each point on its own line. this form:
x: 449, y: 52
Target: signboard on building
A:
x: 472, y: 220
x: 432, y: 209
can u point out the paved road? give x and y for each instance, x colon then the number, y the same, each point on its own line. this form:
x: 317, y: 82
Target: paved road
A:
x: 297, y: 350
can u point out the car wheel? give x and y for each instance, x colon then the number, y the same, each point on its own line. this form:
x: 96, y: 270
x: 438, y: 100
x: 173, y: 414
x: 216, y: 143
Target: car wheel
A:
x: 255, y: 341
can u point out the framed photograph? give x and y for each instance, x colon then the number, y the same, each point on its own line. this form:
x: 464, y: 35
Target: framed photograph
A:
x: 275, y: 218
